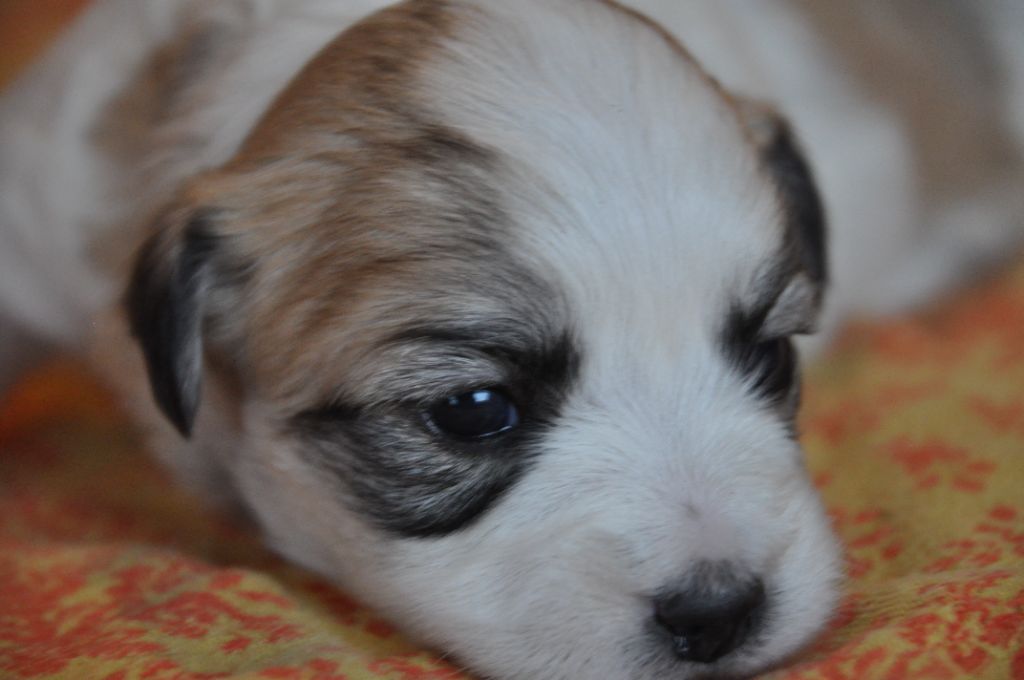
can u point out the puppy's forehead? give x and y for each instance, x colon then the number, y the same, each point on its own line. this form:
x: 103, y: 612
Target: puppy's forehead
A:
x: 540, y: 162
x: 627, y: 172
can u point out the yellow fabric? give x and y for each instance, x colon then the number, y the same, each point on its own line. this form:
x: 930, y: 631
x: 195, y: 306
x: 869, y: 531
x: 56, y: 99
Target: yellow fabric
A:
x: 914, y: 430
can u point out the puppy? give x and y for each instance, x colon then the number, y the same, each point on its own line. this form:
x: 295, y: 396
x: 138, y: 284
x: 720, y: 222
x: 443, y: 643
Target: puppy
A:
x: 487, y: 309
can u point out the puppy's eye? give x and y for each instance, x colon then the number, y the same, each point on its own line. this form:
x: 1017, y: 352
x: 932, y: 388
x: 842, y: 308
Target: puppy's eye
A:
x: 774, y: 364
x: 474, y: 415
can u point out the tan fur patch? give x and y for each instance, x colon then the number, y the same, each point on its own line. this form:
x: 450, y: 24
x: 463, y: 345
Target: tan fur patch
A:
x: 346, y: 198
x: 359, y: 84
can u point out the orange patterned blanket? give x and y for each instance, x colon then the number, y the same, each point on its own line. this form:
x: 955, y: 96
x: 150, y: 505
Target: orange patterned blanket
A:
x: 915, y: 432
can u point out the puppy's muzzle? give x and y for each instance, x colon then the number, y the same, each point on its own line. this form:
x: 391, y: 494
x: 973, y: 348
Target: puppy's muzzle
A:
x: 712, y: 614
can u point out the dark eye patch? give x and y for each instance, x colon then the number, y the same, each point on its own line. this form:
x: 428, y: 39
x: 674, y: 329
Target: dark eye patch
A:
x: 769, y: 365
x: 415, y: 482
x: 399, y: 476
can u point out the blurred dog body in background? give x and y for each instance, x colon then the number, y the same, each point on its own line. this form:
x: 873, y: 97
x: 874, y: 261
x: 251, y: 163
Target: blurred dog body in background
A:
x: 486, y: 309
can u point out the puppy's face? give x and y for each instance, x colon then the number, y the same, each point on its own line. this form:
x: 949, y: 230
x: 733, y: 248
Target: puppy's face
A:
x: 492, y: 317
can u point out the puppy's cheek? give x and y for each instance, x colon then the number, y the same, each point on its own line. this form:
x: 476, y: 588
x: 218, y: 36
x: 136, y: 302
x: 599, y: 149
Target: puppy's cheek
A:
x: 510, y: 602
x: 301, y: 511
x: 808, y: 579
x: 336, y: 498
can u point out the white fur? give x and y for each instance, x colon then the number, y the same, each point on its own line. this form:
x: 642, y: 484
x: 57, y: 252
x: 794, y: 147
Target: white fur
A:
x: 663, y: 458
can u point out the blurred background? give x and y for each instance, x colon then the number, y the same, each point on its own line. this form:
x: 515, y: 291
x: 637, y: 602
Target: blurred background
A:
x: 26, y: 26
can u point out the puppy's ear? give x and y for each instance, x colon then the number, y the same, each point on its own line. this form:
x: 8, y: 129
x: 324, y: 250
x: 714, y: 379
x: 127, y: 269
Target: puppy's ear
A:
x: 784, y: 160
x: 165, y: 303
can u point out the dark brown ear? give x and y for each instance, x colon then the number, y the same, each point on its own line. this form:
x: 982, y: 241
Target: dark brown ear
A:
x: 784, y: 160
x: 165, y: 303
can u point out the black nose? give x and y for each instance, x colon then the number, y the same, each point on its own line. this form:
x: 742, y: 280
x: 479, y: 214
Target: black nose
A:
x: 711, y: 616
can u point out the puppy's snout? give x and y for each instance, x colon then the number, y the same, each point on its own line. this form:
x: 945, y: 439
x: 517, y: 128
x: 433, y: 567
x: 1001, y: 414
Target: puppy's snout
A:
x: 711, y: 616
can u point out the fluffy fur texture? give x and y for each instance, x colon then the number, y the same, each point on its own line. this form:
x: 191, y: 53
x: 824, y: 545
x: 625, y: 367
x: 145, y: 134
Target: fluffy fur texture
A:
x: 328, y: 220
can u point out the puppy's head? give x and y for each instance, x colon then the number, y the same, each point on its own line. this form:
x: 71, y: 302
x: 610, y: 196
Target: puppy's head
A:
x: 504, y: 300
